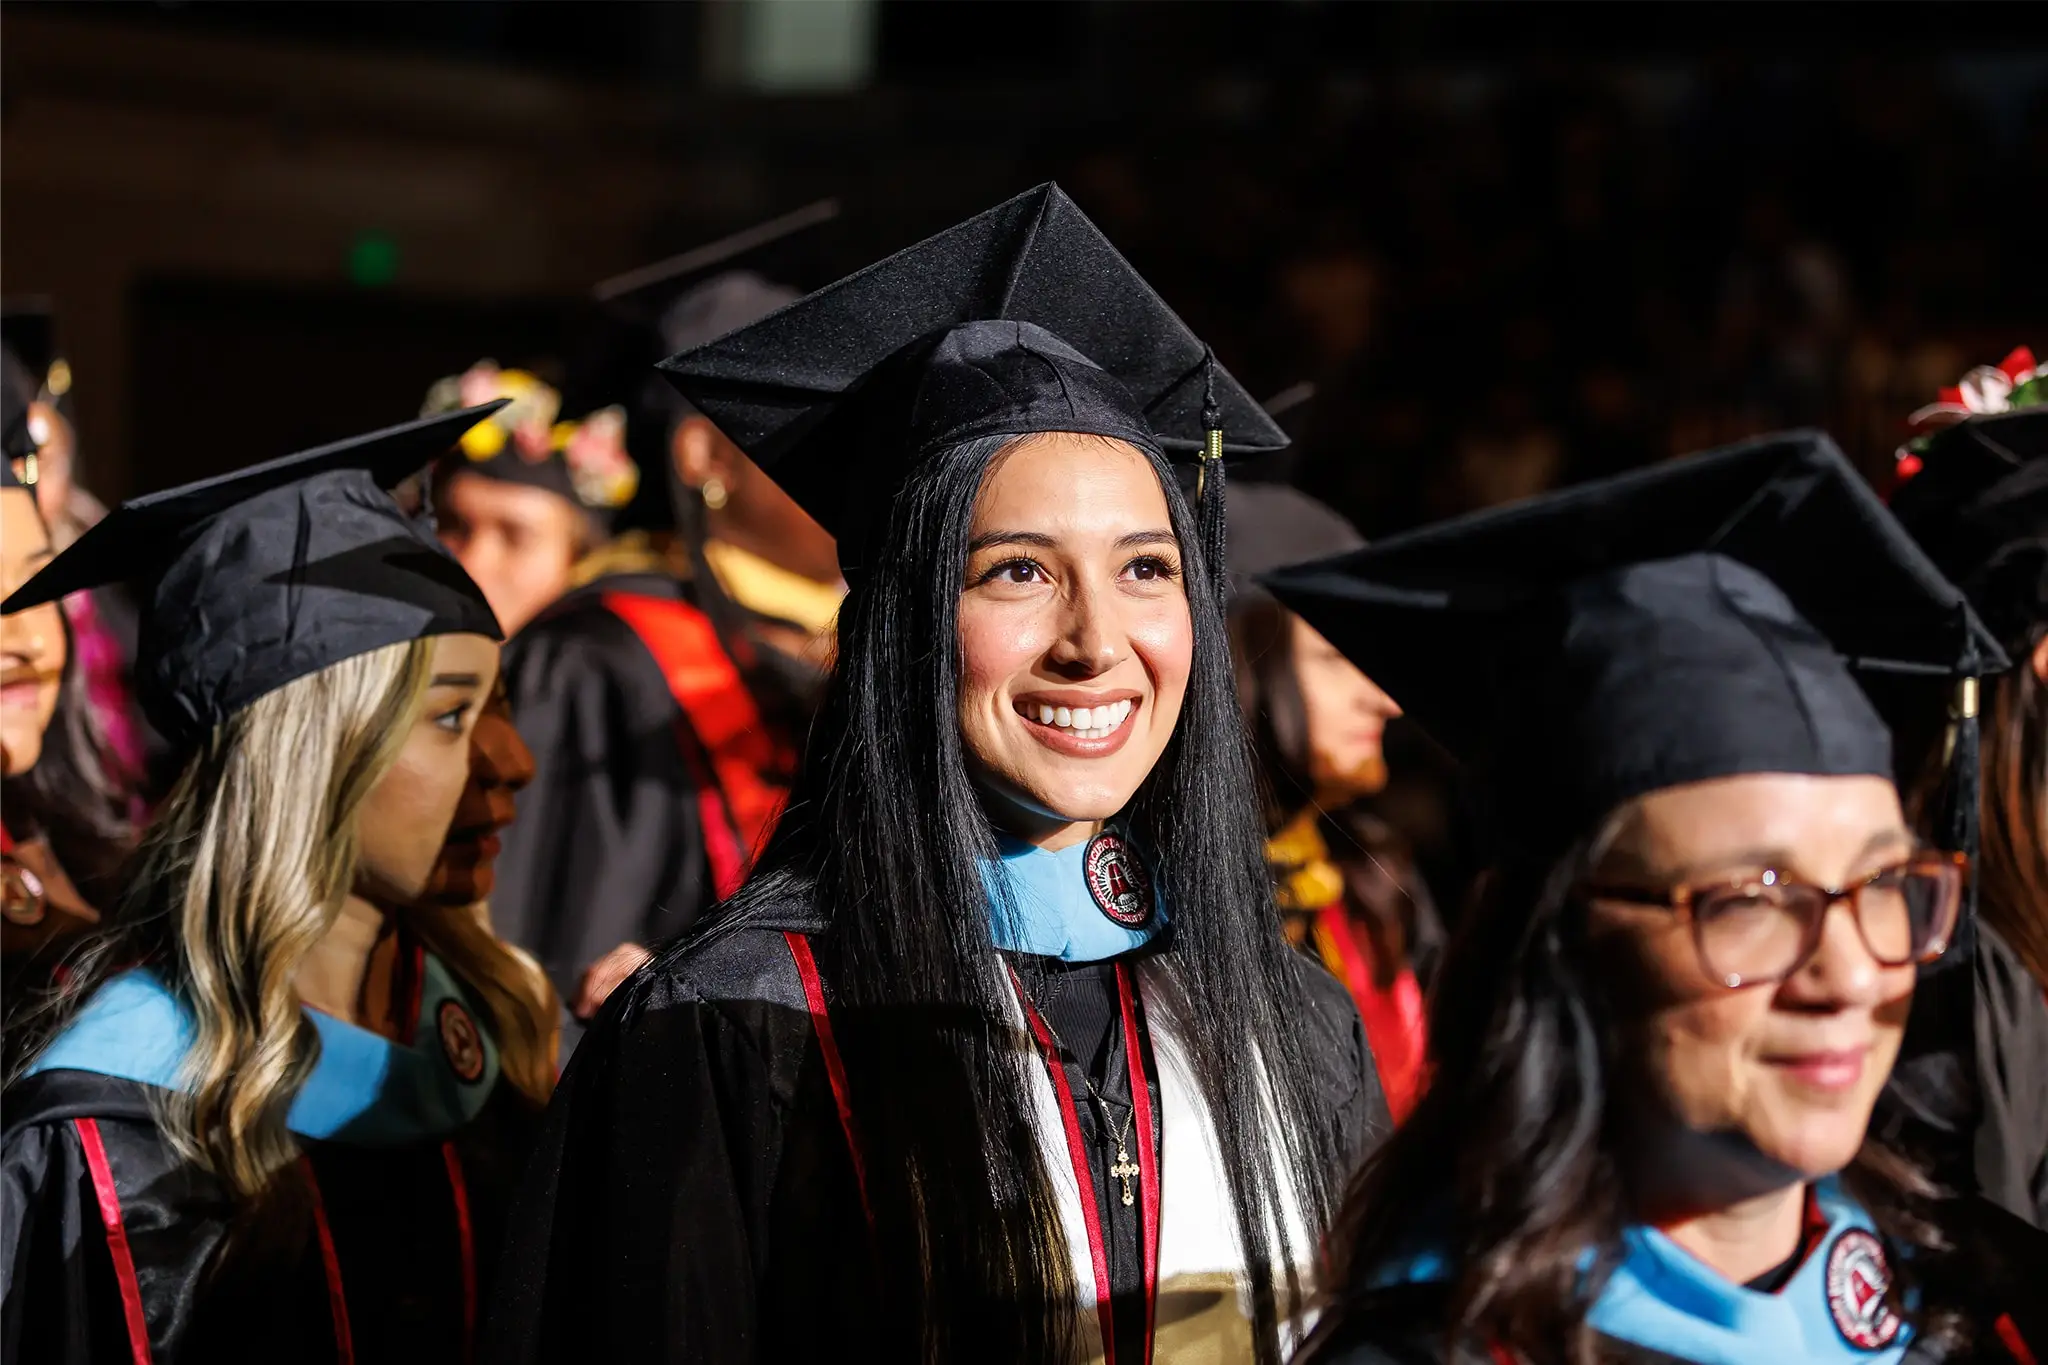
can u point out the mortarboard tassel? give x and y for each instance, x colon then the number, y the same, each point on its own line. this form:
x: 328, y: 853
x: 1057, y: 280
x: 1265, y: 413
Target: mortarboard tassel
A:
x: 1957, y: 821
x: 1209, y: 494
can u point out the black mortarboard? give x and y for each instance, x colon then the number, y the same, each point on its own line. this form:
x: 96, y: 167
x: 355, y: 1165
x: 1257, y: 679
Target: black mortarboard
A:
x: 1979, y: 507
x: 259, y: 577
x: 1698, y: 619
x: 683, y: 301
x: 1022, y: 319
x: 583, y: 462
x: 1273, y: 525
x: 29, y: 331
x: 17, y: 391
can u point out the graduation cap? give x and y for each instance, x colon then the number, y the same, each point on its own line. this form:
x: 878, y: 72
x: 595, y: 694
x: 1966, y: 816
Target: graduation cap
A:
x: 257, y: 578
x: 1273, y: 525
x: 1978, y: 506
x: 17, y: 391
x: 1699, y: 619
x: 641, y: 316
x: 29, y: 332
x: 583, y: 462
x: 1022, y: 319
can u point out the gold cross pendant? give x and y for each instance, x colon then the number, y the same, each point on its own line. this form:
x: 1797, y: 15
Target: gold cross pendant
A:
x: 1124, y: 1170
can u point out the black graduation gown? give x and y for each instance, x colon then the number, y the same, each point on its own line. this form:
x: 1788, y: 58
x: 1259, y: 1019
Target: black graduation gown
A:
x: 693, y: 1197
x: 415, y: 1253
x: 610, y: 843
x: 1969, y: 1095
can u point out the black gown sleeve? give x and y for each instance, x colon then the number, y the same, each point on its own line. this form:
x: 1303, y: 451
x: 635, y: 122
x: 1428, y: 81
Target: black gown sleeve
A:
x: 61, y: 1299
x: 1966, y: 1097
x: 691, y: 1198
x: 607, y: 847
x: 1338, y: 1047
x: 57, y: 1295
x: 2011, y: 1027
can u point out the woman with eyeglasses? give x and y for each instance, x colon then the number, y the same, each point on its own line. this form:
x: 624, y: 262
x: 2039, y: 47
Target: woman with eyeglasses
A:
x: 1662, y: 1033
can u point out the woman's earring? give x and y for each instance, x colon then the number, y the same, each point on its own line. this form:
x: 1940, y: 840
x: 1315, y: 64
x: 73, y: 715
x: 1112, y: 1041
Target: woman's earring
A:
x: 714, y: 492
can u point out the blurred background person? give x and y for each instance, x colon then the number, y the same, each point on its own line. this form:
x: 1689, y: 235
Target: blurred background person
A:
x: 526, y: 495
x: 1345, y: 881
x: 282, y: 1098
x: 63, y: 819
x: 1974, y: 495
x: 102, y: 622
x: 663, y: 697
x: 1661, y: 1038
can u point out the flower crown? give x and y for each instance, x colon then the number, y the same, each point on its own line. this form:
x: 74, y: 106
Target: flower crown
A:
x: 593, y: 450
x: 2018, y: 381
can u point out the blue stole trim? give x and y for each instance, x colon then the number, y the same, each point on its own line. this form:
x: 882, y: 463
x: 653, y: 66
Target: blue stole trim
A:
x: 1662, y: 1298
x: 364, y: 1090
x: 1048, y: 912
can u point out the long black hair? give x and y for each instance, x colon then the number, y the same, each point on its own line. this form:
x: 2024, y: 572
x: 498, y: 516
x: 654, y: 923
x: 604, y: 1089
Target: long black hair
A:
x: 885, y: 833
x: 1511, y: 1162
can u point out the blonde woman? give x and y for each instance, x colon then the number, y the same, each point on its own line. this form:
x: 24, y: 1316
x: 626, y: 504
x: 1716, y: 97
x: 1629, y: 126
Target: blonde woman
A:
x: 277, y: 1108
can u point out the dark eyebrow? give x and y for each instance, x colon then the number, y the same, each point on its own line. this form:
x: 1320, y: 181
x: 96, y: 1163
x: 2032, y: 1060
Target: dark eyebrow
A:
x: 1782, y: 859
x: 1039, y: 540
x: 1034, y: 538
x: 457, y: 680
x: 1884, y: 838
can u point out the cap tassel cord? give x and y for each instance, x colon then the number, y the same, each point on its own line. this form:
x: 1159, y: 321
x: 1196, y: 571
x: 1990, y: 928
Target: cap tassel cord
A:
x: 1209, y: 479
x: 1958, y: 823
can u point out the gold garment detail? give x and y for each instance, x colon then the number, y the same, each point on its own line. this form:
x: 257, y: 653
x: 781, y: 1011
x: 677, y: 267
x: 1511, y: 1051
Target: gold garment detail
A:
x: 1308, y: 880
x: 770, y: 590
x: 633, y: 552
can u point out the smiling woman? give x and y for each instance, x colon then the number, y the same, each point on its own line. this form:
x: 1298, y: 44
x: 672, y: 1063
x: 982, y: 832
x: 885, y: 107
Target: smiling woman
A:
x: 66, y: 822
x: 1075, y: 638
x: 998, y: 1055
x: 1687, y: 981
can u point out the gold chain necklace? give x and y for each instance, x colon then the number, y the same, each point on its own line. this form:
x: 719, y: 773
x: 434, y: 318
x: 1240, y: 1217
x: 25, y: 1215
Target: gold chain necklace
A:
x: 1125, y: 1170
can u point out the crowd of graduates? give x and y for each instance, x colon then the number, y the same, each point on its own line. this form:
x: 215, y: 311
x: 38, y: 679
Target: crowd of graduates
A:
x: 843, y: 827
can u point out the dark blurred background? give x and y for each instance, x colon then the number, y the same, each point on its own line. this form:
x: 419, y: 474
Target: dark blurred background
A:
x: 1511, y: 244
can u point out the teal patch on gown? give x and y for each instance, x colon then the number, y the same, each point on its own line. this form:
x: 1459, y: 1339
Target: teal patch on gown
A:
x: 1049, y: 911
x: 1663, y: 1298
x: 364, y: 1091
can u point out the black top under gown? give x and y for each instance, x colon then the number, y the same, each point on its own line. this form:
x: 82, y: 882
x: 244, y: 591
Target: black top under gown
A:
x: 693, y: 1197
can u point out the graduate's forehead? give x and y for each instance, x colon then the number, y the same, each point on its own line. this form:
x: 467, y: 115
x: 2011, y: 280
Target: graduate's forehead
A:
x: 1071, y: 488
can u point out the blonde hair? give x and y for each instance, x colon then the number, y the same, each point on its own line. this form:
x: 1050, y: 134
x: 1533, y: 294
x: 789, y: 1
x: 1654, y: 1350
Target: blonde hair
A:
x: 245, y: 869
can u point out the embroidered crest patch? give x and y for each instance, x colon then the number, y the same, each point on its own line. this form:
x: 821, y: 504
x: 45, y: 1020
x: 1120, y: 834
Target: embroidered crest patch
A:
x: 1118, y: 881
x: 460, y: 1041
x: 1857, y: 1278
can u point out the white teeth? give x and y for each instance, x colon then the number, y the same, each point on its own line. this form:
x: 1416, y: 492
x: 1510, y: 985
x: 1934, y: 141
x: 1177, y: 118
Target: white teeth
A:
x: 1088, y: 722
